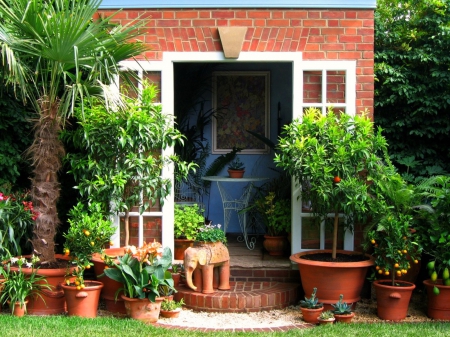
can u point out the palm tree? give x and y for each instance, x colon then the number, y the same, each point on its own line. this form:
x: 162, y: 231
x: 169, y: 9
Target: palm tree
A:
x: 57, y: 54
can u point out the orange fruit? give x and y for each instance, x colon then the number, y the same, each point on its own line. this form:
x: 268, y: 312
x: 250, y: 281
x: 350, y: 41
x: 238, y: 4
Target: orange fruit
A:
x: 373, y: 241
x: 405, y: 251
x: 399, y: 273
x: 87, y: 233
x: 337, y: 179
x: 386, y: 272
x: 380, y: 271
x: 396, y: 265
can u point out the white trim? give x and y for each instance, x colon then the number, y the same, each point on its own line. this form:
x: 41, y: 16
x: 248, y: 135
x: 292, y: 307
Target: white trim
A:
x: 298, y: 67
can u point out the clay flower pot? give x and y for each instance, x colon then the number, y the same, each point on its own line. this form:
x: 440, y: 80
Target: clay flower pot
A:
x: 143, y: 309
x: 236, y: 173
x: 170, y: 313
x: 438, y: 305
x: 344, y: 318
x: 19, y: 311
x: 393, y: 301
x: 347, y: 277
x: 180, y: 246
x: 311, y: 315
x: 275, y: 245
x: 110, y: 286
x: 326, y: 321
x: 83, y: 303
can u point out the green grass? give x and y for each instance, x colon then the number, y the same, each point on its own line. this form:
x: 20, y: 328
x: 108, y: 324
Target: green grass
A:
x: 61, y: 326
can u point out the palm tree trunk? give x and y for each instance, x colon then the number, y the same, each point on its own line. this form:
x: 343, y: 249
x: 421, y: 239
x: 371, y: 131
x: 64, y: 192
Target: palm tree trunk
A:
x: 47, y: 152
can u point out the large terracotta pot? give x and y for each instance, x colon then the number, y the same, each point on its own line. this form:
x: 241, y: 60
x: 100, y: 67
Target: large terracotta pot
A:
x: 438, y: 305
x: 275, y: 245
x: 52, y: 301
x: 83, y: 303
x: 311, y: 315
x: 393, y: 301
x: 110, y: 286
x: 332, y: 278
x: 143, y: 309
x: 180, y: 246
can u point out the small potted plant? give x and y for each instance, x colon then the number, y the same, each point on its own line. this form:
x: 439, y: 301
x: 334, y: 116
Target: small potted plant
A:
x: 434, y: 235
x: 18, y: 287
x: 143, y: 272
x: 342, y: 311
x: 88, y: 233
x: 311, y: 308
x: 176, y: 271
x: 211, y: 233
x: 187, y: 221
x: 326, y: 317
x: 394, y: 247
x: 236, y: 168
x: 171, y: 308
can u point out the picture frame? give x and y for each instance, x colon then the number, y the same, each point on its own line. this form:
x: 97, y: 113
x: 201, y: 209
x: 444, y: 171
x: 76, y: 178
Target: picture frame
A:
x: 242, y: 100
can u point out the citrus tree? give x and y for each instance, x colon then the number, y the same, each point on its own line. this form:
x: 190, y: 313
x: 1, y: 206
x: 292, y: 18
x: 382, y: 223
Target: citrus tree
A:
x: 56, y: 54
x: 332, y: 157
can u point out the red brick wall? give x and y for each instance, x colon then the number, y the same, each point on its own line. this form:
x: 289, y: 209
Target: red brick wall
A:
x: 334, y: 34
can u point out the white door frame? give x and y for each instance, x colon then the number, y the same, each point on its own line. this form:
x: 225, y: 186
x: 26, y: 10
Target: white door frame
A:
x: 167, y: 100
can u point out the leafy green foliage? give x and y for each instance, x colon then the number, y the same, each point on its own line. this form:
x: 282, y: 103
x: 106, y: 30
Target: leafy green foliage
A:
x: 143, y: 271
x: 171, y: 305
x: 187, y: 221
x: 211, y: 233
x: 16, y: 131
x: 434, y: 231
x: 236, y: 164
x: 18, y: 285
x: 124, y: 158
x: 331, y: 158
x: 412, y: 99
x: 89, y: 232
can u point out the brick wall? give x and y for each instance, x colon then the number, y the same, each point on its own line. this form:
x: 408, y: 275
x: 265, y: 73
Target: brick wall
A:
x: 334, y: 34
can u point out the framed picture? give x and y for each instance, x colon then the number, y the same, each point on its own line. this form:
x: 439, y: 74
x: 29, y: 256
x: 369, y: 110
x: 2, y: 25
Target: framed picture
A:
x: 242, y: 101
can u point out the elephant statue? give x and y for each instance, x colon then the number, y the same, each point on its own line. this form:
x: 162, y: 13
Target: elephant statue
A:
x: 207, y: 267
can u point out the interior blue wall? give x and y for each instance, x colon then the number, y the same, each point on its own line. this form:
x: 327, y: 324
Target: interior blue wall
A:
x: 255, y: 164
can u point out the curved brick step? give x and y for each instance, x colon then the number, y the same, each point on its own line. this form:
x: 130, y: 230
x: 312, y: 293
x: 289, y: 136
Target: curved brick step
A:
x: 242, y: 297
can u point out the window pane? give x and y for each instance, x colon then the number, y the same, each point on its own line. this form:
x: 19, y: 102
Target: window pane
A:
x: 312, y: 86
x: 335, y: 86
x: 329, y: 235
x: 310, y: 234
x: 152, y: 230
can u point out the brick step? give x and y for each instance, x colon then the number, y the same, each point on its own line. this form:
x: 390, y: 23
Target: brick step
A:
x: 242, y: 297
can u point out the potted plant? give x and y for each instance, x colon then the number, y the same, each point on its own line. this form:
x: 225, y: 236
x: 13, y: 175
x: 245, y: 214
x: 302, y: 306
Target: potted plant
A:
x: 88, y: 233
x: 394, y: 245
x: 142, y: 272
x: 326, y: 317
x: 207, y: 263
x: 18, y: 287
x: 171, y: 308
x: 334, y: 159
x: 187, y: 221
x: 311, y: 308
x: 176, y: 270
x: 276, y: 215
x: 434, y: 235
x: 342, y: 311
x: 236, y: 168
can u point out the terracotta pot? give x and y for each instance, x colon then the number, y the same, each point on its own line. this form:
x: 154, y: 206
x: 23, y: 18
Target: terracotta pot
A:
x: 180, y: 246
x: 347, y: 277
x: 275, y: 245
x: 143, y: 309
x: 438, y: 305
x: 176, y: 279
x: 236, y: 173
x: 326, y: 321
x: 393, y: 301
x: 83, y: 303
x: 344, y: 318
x: 170, y: 314
x: 19, y: 311
x: 110, y: 286
x: 52, y: 301
x: 311, y: 315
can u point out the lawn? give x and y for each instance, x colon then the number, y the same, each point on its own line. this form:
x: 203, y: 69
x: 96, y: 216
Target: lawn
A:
x: 56, y: 326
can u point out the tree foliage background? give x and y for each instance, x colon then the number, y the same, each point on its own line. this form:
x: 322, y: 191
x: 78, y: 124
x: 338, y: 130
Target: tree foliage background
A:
x: 412, y: 84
